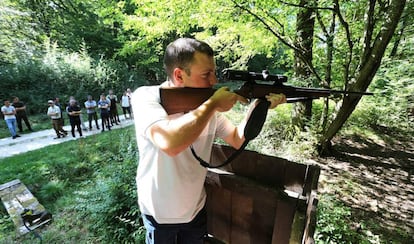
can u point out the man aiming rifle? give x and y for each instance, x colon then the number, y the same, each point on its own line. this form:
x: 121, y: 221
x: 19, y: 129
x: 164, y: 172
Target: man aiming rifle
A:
x: 170, y: 181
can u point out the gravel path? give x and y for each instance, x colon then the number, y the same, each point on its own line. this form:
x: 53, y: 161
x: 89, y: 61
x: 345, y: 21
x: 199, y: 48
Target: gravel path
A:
x: 39, y: 139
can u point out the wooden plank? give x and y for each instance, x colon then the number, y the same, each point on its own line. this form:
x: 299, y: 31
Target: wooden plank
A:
x: 269, y: 170
x: 283, y: 222
x: 263, y: 216
x: 241, y: 218
x: 267, y: 198
x: 219, y: 212
x: 16, y: 198
x: 310, y: 225
x: 9, y: 184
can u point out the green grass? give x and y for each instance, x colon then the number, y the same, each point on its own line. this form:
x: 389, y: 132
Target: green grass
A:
x: 87, y: 184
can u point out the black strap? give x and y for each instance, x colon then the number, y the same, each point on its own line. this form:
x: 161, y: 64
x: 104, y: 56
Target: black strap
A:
x: 252, y: 129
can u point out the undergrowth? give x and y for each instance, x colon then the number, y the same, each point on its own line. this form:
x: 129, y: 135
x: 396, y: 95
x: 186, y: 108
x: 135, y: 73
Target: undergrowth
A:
x: 88, y: 185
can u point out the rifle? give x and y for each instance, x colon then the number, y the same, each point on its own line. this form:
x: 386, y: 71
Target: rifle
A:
x: 184, y: 99
x: 179, y: 99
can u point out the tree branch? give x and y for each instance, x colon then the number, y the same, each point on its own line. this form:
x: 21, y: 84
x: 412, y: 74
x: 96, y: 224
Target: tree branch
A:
x: 349, y: 40
x: 368, y: 31
x: 296, y: 49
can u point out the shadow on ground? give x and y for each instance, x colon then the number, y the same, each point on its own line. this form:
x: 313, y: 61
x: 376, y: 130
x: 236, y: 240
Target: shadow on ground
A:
x: 375, y: 178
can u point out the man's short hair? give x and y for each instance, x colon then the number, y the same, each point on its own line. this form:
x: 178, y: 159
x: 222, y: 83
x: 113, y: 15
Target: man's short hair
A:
x: 180, y: 53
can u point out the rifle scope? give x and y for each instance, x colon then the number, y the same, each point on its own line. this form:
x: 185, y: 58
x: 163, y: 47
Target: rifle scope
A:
x: 252, y: 76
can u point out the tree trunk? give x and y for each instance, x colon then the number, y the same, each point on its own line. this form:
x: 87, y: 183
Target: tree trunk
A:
x: 303, y: 56
x: 366, y: 72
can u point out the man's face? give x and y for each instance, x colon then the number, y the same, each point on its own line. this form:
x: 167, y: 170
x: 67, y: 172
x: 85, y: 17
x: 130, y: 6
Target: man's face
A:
x: 202, y: 73
x: 7, y: 103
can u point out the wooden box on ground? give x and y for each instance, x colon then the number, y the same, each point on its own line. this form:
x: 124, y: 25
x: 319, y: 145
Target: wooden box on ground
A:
x: 16, y: 197
x: 261, y: 199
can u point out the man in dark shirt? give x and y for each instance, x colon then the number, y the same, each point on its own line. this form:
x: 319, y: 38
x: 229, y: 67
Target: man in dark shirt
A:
x: 74, y: 112
x: 21, y: 114
x: 103, y: 105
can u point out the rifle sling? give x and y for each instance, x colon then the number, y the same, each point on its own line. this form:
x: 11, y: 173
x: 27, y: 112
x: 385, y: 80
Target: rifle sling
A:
x: 252, y: 129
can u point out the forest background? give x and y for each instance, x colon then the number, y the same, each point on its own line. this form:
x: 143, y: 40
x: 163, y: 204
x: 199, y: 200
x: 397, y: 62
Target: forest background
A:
x: 54, y: 48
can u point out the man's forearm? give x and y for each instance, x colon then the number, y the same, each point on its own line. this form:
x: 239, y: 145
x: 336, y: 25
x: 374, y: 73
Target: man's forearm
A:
x: 175, y: 135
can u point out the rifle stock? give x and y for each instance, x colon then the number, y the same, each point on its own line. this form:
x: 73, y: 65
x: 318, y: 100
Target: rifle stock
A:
x: 184, y: 99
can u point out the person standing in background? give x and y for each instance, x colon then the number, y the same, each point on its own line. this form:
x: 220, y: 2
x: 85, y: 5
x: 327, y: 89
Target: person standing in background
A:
x: 57, y: 103
x: 103, y: 105
x: 90, y: 106
x: 9, y: 113
x: 55, y: 114
x: 21, y: 114
x: 126, y: 105
x: 74, y: 112
x: 113, y: 110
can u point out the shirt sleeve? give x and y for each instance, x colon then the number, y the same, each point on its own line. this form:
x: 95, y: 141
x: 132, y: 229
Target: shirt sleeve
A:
x: 147, y: 107
x: 224, y: 126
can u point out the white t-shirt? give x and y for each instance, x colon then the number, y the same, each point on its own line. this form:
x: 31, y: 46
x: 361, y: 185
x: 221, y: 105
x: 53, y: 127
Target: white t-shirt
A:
x: 54, y: 110
x: 171, y: 189
x: 8, y: 109
x: 125, y: 101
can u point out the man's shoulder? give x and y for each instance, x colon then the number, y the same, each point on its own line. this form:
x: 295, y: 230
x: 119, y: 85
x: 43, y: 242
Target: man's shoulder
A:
x: 146, y: 93
x: 18, y: 104
x: 146, y: 90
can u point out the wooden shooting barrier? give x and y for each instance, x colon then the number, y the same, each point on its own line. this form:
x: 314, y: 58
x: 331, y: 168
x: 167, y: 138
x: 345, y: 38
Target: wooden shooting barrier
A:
x: 260, y: 199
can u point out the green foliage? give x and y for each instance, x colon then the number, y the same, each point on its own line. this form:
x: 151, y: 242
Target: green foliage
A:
x: 110, y: 201
x: 6, y: 225
x: 333, y: 223
x: 394, y: 97
x: 338, y: 223
x: 61, y: 74
x: 18, y: 38
x: 52, y: 191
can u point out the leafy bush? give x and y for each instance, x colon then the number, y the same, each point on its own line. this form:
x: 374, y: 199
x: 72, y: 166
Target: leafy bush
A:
x: 52, y: 190
x: 61, y: 74
x: 110, y: 201
x: 333, y: 223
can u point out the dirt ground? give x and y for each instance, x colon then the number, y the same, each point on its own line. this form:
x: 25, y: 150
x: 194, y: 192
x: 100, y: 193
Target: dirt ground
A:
x: 375, y: 178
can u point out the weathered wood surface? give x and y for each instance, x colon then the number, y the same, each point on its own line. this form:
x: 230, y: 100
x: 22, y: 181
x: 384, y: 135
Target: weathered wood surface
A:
x: 16, y: 197
x: 260, y: 199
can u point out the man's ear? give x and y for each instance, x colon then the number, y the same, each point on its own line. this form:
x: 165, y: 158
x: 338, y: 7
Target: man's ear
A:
x: 178, y: 77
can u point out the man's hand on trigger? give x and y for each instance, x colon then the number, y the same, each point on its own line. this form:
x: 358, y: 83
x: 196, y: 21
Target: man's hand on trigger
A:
x: 224, y: 99
x: 275, y: 99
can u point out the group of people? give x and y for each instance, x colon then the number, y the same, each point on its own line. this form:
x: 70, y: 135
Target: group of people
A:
x: 106, y: 105
x: 14, y: 113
